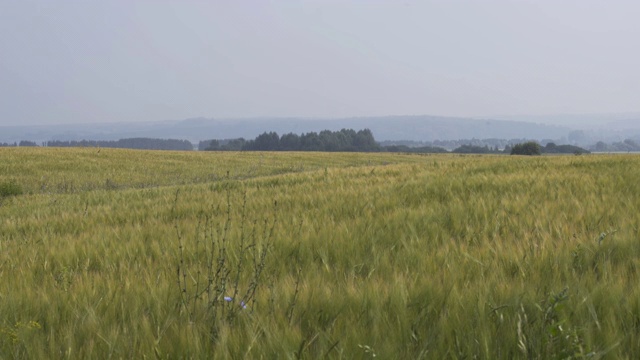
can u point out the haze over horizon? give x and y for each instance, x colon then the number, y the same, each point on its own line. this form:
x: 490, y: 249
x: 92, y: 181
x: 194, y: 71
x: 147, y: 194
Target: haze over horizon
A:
x: 68, y: 62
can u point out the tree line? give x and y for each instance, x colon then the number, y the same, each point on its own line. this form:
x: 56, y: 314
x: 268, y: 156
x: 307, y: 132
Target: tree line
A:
x: 627, y: 145
x: 326, y: 140
x: 131, y: 143
x: 345, y: 140
x: 21, y: 143
x: 363, y: 141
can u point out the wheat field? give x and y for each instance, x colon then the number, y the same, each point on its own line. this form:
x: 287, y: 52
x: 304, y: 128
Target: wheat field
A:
x: 108, y: 253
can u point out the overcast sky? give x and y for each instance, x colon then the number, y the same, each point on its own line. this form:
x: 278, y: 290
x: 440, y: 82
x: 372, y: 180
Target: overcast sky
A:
x: 105, y: 61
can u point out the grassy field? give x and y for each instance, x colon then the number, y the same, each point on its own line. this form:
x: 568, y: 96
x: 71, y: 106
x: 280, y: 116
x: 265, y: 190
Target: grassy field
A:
x: 135, y: 254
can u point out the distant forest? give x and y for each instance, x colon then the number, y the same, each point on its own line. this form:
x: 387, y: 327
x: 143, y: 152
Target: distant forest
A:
x: 351, y: 140
x: 133, y: 143
x: 345, y: 140
x: 550, y: 148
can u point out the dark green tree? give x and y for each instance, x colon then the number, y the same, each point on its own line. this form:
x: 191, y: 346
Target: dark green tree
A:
x: 267, y: 141
x: 364, y: 141
x: 213, y: 145
x: 311, y: 142
x: 528, y: 148
x: 290, y: 142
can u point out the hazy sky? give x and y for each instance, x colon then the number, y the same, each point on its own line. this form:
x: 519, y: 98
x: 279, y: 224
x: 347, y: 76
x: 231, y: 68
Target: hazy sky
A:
x: 102, y: 61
